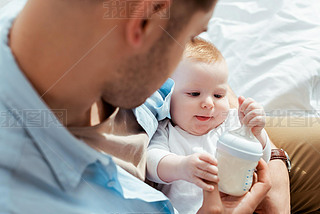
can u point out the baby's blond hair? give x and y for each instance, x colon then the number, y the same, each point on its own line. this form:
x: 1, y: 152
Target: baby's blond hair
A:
x: 202, y: 51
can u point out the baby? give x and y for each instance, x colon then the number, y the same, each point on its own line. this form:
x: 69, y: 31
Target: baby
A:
x: 181, y: 155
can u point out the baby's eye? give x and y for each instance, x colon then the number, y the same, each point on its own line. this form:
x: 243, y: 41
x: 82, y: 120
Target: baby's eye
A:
x: 194, y: 94
x: 218, y: 96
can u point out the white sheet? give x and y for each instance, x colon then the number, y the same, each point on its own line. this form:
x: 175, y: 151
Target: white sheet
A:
x: 3, y: 2
x: 272, y: 48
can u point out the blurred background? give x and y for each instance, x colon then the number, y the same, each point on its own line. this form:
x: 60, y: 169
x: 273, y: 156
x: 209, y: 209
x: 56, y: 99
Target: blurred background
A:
x: 272, y: 50
x: 3, y: 2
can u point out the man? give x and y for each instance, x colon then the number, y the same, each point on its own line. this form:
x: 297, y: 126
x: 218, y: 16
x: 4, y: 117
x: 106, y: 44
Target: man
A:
x: 86, y: 67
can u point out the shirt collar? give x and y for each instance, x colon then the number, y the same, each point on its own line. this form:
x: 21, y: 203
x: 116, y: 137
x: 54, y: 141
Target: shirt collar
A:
x: 67, y: 156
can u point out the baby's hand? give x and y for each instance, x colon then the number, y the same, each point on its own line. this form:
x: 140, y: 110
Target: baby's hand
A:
x: 199, y: 168
x: 252, y: 115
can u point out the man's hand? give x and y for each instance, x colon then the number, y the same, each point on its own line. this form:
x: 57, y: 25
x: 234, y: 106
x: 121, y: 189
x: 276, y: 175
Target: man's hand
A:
x: 198, y: 168
x: 249, y: 202
x: 278, y: 198
x: 244, y: 204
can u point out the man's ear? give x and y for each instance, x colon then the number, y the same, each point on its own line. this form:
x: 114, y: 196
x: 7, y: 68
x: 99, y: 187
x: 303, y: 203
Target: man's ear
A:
x: 135, y: 31
x: 140, y: 18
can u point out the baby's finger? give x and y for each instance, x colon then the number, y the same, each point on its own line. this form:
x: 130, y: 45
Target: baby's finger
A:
x: 245, y: 104
x: 241, y: 99
x: 241, y: 116
x: 254, y: 116
x: 252, y: 106
x: 258, y: 121
x: 204, y: 175
x: 204, y: 166
x: 203, y: 185
x: 208, y: 158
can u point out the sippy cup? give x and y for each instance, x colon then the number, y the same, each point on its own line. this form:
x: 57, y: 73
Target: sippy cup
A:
x: 238, y: 153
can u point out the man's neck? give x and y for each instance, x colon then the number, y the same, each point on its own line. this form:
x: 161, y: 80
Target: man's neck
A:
x: 100, y: 111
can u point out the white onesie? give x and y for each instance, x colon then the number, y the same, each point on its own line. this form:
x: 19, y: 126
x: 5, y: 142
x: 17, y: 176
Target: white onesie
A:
x: 186, y: 197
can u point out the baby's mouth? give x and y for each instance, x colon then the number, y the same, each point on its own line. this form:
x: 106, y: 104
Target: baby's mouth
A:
x: 203, y: 118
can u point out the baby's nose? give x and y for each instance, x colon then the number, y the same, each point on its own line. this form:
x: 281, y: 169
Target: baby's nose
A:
x: 207, y: 103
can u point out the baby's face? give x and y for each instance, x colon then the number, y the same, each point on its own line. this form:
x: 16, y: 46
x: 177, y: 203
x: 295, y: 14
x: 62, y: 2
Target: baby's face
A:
x: 199, y: 101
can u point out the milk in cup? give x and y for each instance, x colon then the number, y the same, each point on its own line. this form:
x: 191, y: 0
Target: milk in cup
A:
x: 238, y: 153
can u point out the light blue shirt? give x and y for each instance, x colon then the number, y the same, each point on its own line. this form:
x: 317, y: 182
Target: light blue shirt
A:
x: 45, y: 169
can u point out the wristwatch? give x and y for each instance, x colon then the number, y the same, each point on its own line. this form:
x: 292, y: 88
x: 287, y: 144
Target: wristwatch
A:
x: 281, y: 155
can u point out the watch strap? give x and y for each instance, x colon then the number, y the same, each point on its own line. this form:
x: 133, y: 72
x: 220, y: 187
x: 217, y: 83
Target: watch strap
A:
x: 280, y: 154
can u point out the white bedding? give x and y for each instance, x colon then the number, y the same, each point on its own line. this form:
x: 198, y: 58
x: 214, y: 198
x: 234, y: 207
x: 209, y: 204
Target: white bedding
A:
x: 272, y: 48
x: 3, y: 2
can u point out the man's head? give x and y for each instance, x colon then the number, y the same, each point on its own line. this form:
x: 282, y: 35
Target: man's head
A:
x: 75, y: 54
x: 199, y: 101
x: 155, y: 46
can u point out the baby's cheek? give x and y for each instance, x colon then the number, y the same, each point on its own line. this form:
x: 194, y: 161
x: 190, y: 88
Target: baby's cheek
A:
x: 224, y: 112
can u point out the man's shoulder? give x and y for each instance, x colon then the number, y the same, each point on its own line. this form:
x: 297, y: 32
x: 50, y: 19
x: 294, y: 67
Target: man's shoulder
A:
x: 22, y: 166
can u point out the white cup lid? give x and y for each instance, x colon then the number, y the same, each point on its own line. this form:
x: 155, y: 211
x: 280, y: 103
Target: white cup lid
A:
x: 240, y: 147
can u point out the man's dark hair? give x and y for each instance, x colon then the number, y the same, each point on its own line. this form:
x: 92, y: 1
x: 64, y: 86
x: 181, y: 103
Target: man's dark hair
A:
x: 203, y: 5
x: 181, y: 12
